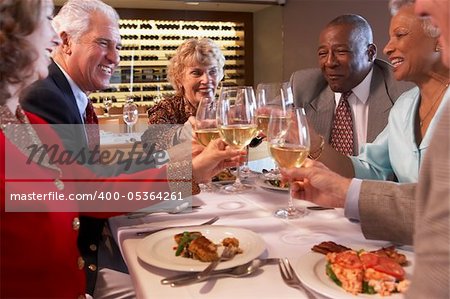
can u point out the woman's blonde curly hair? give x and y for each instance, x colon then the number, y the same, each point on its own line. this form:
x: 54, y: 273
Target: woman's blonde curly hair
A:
x: 202, y: 51
x: 18, y: 19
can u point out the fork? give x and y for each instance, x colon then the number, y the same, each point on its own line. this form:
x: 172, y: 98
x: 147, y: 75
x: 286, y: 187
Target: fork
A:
x: 226, y: 255
x: 290, y: 277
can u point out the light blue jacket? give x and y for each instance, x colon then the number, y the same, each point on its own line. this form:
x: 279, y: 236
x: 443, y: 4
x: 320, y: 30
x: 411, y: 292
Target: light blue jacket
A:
x: 395, y: 149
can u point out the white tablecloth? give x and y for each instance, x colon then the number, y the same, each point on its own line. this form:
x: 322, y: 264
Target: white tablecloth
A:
x: 253, y: 211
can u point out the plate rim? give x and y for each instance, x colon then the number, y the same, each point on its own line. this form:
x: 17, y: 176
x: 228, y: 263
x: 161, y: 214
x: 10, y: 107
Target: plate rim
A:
x: 261, y: 182
x: 257, y: 249
x: 307, y: 263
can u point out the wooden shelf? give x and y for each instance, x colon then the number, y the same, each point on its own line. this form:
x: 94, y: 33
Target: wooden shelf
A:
x: 153, y: 73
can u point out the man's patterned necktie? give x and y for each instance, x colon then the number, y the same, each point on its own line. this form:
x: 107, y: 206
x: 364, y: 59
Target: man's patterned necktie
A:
x: 342, y: 130
x: 92, y: 130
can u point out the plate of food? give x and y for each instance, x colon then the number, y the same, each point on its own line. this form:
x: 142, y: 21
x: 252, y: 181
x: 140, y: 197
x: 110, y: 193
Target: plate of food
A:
x: 272, y: 184
x: 345, y: 273
x: 193, y: 248
x: 224, y: 177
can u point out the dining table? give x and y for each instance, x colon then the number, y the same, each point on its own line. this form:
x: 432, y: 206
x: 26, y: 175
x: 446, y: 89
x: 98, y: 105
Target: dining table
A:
x: 253, y: 211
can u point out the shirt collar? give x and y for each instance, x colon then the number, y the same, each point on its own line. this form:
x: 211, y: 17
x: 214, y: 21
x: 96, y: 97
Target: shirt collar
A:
x: 361, y: 91
x: 79, y: 95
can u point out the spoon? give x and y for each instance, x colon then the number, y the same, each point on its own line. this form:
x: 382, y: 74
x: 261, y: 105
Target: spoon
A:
x: 239, y: 271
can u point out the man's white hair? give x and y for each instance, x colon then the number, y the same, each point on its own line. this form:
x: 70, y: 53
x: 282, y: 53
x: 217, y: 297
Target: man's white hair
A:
x: 74, y: 16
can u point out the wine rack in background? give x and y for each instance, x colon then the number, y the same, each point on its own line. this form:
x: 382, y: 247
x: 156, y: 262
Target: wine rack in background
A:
x: 148, y: 45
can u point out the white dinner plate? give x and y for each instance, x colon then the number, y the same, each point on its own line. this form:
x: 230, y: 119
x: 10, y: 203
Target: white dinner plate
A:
x: 263, y: 182
x: 311, y: 271
x: 158, y: 249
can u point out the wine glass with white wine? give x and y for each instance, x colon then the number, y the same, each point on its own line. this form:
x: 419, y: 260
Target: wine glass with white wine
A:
x: 236, y: 121
x: 269, y: 96
x: 206, y: 127
x: 289, y: 144
x: 130, y: 114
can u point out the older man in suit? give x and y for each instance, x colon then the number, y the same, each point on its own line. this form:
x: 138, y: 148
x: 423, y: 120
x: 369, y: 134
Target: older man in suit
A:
x: 348, y: 66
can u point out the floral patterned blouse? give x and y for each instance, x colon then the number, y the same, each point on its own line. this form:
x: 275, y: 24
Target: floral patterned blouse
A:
x: 165, y: 120
x: 173, y: 110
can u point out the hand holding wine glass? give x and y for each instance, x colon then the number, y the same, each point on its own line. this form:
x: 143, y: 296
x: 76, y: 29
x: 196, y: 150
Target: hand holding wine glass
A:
x: 289, y: 145
x: 237, y: 123
x: 206, y: 127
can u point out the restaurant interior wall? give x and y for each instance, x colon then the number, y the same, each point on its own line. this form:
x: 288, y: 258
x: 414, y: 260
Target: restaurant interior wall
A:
x: 268, y: 45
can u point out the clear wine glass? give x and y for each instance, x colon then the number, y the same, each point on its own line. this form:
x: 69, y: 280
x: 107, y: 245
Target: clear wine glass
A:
x: 130, y: 114
x: 107, y: 102
x: 269, y: 96
x: 206, y: 127
x: 237, y: 124
x: 246, y: 173
x: 289, y: 144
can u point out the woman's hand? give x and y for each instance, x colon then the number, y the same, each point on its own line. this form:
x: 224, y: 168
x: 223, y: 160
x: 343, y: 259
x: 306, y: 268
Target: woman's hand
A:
x: 213, y: 159
x: 197, y: 148
x: 316, y: 183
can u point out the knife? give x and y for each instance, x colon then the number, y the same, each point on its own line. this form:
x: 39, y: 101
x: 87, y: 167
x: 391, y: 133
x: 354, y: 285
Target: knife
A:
x: 188, y: 278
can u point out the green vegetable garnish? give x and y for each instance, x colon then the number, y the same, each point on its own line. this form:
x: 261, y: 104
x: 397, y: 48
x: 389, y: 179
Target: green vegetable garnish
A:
x: 367, y: 289
x: 331, y: 274
x: 185, y: 240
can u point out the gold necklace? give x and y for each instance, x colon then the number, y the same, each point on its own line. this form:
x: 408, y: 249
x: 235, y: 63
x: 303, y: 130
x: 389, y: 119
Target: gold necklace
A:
x: 19, y: 131
x: 421, y: 120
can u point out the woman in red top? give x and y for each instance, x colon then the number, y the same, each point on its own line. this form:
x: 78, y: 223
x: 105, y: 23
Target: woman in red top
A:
x: 39, y: 257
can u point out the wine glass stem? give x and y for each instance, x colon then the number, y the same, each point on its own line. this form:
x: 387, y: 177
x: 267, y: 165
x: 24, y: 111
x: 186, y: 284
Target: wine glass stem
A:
x: 290, y: 199
x: 245, y: 166
x: 238, y: 175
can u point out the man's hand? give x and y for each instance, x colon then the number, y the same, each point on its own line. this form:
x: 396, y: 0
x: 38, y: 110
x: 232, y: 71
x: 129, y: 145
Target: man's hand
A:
x: 316, y: 183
